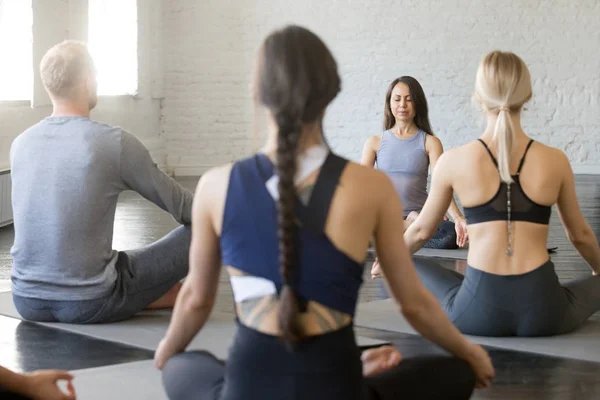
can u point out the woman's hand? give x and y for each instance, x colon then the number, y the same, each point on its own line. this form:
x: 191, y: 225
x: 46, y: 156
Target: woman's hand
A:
x: 163, y: 353
x: 482, y: 366
x: 379, y: 359
x: 460, y: 225
x: 43, y: 385
x: 412, y: 216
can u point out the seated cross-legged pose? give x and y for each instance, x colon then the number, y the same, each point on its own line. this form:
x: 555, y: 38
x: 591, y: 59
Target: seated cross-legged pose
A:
x: 289, y: 225
x: 507, y: 184
x: 405, y: 151
x: 67, y: 172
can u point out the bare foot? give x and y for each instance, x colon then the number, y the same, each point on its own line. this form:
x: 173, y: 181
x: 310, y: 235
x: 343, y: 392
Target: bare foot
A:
x: 376, y: 269
x: 379, y: 359
x: 167, y: 300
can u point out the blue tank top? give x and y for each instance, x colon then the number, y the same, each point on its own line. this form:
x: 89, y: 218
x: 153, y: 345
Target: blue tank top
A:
x: 249, y: 235
x: 406, y: 162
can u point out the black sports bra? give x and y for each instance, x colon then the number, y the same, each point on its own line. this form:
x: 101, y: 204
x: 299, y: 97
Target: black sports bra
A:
x: 522, y: 208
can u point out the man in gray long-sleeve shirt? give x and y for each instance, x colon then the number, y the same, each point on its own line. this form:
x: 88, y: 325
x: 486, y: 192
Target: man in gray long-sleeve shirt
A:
x: 67, y: 172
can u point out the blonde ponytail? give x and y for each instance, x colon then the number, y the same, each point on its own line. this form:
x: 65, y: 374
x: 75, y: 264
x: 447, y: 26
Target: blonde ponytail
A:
x: 504, y: 135
x: 503, y: 85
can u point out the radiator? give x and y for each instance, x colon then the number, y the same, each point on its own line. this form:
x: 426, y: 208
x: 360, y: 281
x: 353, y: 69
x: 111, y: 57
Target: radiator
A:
x: 6, y: 215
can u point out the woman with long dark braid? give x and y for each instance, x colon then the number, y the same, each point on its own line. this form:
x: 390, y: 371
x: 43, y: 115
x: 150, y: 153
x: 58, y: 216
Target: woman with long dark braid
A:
x: 291, y: 225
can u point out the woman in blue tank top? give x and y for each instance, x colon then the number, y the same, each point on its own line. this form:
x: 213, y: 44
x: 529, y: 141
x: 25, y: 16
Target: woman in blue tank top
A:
x: 291, y: 225
x: 507, y: 184
x: 405, y: 151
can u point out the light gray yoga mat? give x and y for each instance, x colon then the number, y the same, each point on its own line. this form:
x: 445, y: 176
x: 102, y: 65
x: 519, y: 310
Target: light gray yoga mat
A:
x: 456, y: 254
x: 4, y: 285
x: 146, y: 329
x: 135, y: 380
x: 583, y: 344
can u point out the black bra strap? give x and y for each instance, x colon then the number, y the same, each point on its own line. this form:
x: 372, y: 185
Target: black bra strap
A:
x: 323, y: 191
x: 524, y: 154
x: 489, y: 152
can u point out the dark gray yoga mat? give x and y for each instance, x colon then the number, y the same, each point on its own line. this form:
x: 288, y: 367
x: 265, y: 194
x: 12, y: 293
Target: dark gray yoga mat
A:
x: 146, y: 329
x: 583, y: 344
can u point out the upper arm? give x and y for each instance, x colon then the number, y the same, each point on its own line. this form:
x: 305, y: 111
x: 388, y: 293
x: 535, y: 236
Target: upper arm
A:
x: 205, y: 252
x: 392, y: 252
x: 434, y: 148
x: 567, y: 204
x: 438, y: 199
x: 369, y: 153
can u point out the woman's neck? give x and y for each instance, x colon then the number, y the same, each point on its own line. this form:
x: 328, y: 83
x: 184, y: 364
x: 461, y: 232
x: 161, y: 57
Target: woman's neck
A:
x: 404, y: 129
x: 516, y: 123
x: 310, y: 136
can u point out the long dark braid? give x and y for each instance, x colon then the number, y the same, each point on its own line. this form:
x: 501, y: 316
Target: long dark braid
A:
x: 287, y: 144
x: 297, y: 78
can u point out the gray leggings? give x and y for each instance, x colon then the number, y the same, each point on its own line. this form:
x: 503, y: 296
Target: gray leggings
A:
x: 143, y: 276
x: 530, y: 304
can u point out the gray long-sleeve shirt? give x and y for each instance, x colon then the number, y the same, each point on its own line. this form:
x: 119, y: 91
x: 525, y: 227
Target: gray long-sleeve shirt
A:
x: 67, y: 173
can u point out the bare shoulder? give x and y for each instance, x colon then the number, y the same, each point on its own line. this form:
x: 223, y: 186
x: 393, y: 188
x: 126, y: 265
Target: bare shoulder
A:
x: 214, y: 180
x: 551, y: 158
x: 548, y: 151
x: 453, y: 156
x: 432, y: 140
x: 373, y: 142
x: 364, y: 179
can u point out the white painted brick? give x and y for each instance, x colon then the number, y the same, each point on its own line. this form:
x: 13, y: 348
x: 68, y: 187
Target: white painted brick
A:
x: 208, y: 113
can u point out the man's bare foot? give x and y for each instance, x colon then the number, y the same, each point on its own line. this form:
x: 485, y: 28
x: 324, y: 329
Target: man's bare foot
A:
x: 380, y: 359
x: 167, y: 300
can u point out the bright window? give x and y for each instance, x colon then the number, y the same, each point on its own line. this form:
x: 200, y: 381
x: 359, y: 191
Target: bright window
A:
x: 112, y: 41
x: 16, y: 48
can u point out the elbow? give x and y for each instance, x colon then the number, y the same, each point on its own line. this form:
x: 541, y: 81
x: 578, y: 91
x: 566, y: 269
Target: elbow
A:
x: 424, y: 234
x: 581, y: 236
x: 413, y: 312
x: 418, y: 233
x: 419, y: 305
x: 193, y: 301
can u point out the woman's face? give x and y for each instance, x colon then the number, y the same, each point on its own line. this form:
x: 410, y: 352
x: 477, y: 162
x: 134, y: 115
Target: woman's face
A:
x: 401, y: 103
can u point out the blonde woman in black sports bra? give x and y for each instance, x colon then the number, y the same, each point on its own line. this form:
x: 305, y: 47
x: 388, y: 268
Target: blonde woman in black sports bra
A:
x: 507, y: 184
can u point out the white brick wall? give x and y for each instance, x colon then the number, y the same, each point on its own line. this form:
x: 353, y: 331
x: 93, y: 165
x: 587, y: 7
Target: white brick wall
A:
x: 56, y: 20
x: 209, y: 49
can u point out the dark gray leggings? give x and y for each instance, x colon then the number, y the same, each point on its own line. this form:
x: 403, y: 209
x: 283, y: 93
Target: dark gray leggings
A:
x: 530, y: 304
x: 444, y: 237
x: 143, y: 276
x: 325, y: 367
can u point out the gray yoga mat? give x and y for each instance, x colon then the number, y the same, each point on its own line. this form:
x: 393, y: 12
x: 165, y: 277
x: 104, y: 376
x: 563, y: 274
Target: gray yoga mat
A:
x: 4, y: 285
x: 146, y: 329
x: 135, y: 380
x: 583, y: 344
x: 456, y: 254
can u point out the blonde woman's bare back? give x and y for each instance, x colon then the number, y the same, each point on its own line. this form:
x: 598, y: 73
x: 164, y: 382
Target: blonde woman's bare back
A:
x: 476, y: 182
x: 510, y: 287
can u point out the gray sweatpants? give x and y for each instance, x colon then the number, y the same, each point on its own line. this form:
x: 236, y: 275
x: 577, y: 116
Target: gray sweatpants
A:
x: 143, y: 276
